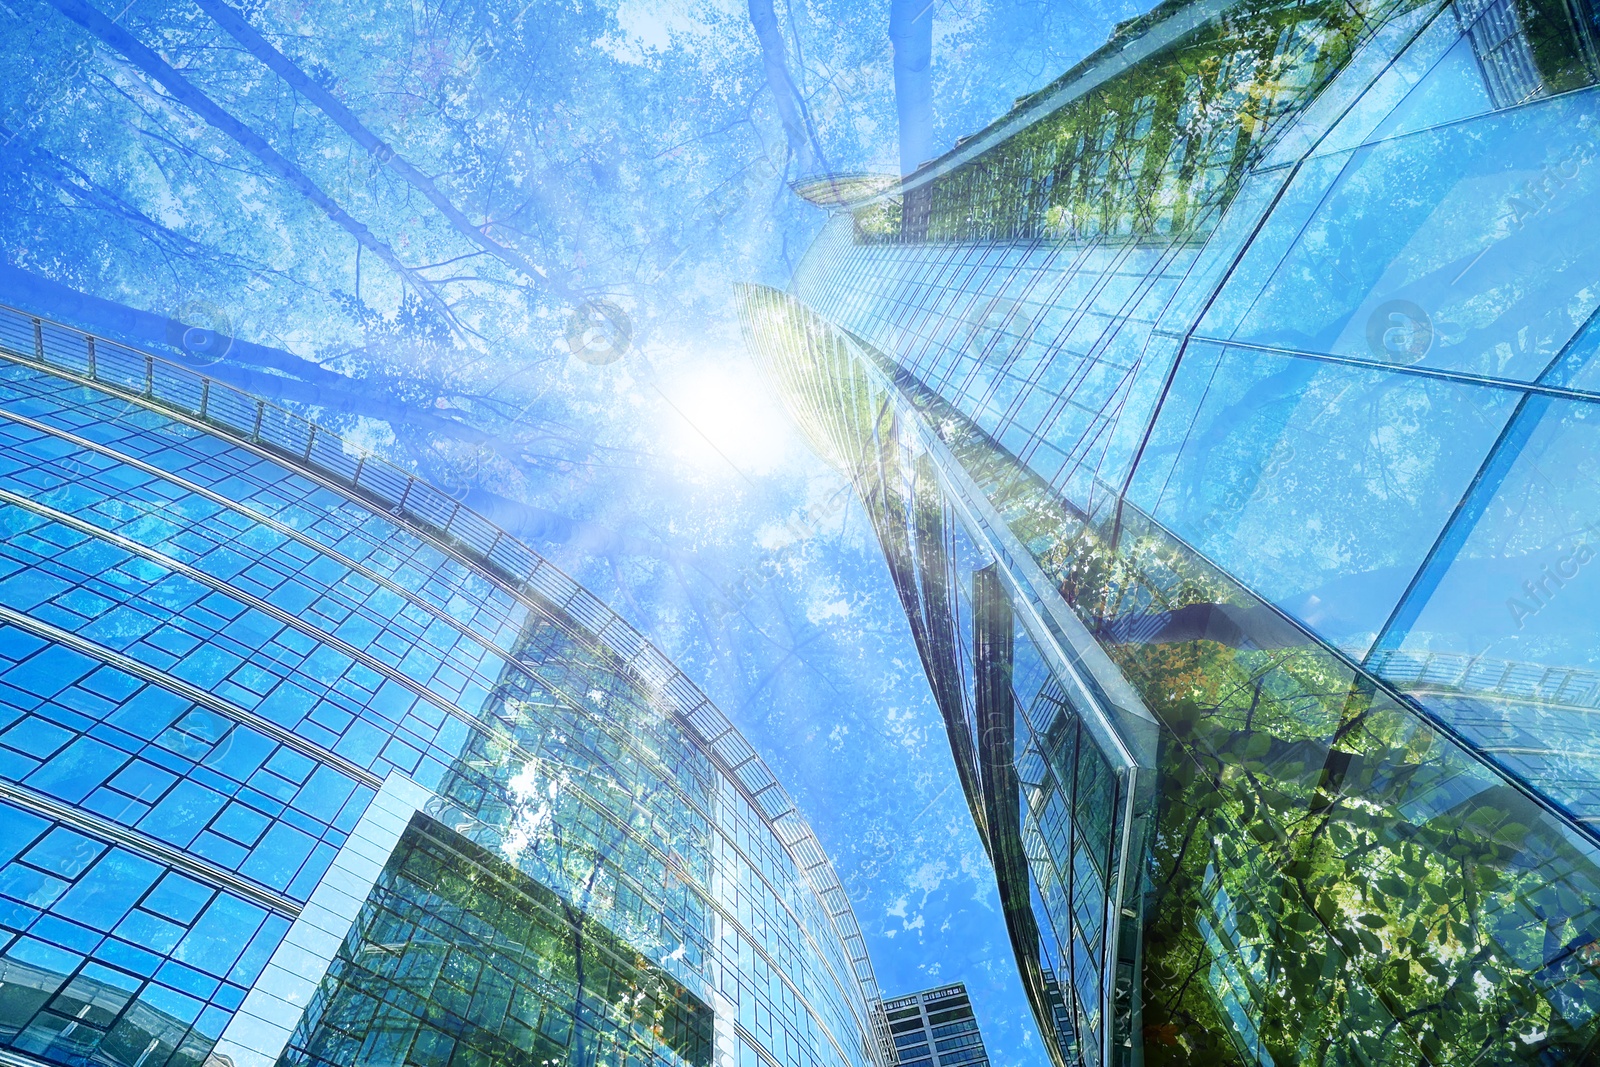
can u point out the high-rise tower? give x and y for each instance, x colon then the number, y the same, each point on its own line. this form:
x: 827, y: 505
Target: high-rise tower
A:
x: 936, y: 1028
x: 1226, y: 412
x: 302, y: 762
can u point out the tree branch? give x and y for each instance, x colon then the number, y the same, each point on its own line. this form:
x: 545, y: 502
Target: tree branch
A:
x: 284, y: 67
x: 182, y: 90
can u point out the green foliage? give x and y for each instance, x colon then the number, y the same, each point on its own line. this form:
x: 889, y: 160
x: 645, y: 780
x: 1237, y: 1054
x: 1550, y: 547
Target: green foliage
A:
x: 1329, y: 878
x: 1367, y: 891
x: 1562, y: 47
x: 1155, y: 150
x: 459, y: 958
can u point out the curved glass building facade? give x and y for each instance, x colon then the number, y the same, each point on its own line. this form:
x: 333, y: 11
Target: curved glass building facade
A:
x: 1225, y: 412
x: 302, y: 762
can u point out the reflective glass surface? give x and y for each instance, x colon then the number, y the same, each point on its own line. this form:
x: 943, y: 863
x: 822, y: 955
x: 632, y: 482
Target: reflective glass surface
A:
x: 1048, y: 792
x: 458, y: 957
x: 213, y: 655
x: 1285, y: 396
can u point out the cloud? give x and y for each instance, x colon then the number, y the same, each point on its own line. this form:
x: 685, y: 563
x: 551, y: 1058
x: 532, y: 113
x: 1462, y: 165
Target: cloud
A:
x: 928, y: 877
x: 817, y: 613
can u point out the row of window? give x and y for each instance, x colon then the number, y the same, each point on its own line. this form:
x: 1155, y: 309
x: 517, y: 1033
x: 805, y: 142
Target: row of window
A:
x: 107, y: 953
x: 776, y: 863
x: 410, y: 767
x: 235, y: 797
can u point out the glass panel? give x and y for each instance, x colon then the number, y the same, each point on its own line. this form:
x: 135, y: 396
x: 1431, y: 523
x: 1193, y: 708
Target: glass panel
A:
x: 1304, y: 196
x: 1320, y: 486
x: 1501, y: 638
x: 460, y: 958
x: 1468, y: 248
x: 1392, y: 83
x: 89, y: 974
x: 1577, y: 368
x: 1153, y: 149
x: 1453, y: 89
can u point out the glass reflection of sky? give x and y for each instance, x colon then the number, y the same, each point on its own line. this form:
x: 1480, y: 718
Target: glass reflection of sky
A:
x: 631, y: 152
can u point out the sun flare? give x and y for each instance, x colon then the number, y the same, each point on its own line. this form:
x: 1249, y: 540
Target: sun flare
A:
x: 724, y: 416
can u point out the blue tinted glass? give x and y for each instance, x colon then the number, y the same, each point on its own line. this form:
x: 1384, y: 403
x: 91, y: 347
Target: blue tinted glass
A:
x: 143, y: 781
x: 17, y: 829
x: 1305, y: 196
x: 78, y: 769
x: 261, y: 947
x: 104, y: 895
x: 109, y: 682
x: 186, y: 979
x: 44, y: 956
x: 179, y: 898
x: 49, y: 672
x: 151, y: 711
x: 1463, y: 248
x: 1322, y: 486
x: 291, y: 765
x: 219, y: 936
x: 1578, y: 368
x: 74, y: 935
x: 1501, y: 637
x: 171, y: 1003
x: 244, y: 752
x: 126, y: 956
x: 1452, y: 90
x: 64, y: 853
x: 149, y: 931
x: 183, y: 813
x: 30, y: 886
x: 278, y: 857
x: 16, y: 645
x: 241, y: 823
x: 37, y: 737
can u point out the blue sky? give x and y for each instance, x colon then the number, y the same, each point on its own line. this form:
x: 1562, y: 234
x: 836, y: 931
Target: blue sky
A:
x: 628, y: 151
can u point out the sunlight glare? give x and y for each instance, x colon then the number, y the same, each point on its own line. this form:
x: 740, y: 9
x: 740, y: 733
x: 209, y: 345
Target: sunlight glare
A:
x: 726, y: 417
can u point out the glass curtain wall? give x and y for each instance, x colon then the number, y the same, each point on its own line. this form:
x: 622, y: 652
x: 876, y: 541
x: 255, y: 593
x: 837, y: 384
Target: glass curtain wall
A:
x: 302, y: 762
x: 1255, y: 349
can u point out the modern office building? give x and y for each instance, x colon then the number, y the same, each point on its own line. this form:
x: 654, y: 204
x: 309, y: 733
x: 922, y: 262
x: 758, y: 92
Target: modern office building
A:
x: 301, y: 762
x: 936, y: 1028
x: 1227, y: 413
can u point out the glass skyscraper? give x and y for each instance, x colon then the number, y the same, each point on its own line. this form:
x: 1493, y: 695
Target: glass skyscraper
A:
x: 1227, y: 415
x: 302, y: 762
x: 936, y: 1028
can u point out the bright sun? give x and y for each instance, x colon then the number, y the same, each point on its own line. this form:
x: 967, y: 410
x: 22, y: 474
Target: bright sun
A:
x: 726, y: 417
